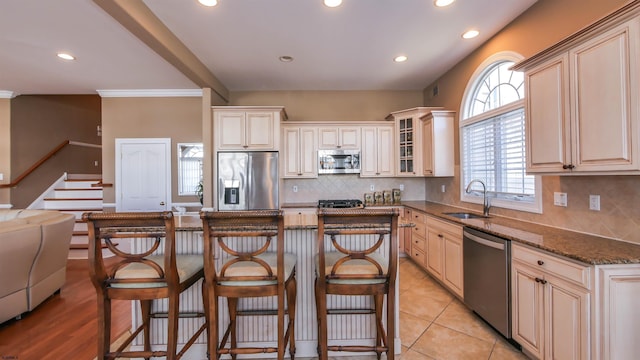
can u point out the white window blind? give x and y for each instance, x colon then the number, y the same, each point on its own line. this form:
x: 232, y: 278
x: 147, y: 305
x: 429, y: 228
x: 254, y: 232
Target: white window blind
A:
x: 493, y: 151
x: 189, y: 168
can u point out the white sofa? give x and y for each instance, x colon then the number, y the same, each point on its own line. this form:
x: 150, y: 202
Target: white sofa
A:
x: 34, y: 245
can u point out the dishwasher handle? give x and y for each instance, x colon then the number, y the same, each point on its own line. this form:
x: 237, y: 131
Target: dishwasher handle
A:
x: 485, y: 242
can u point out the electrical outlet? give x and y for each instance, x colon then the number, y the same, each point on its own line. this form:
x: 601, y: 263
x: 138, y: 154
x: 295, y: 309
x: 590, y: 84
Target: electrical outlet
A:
x: 372, y: 188
x: 443, y: 188
x: 560, y: 199
x: 1, y: 176
x: 401, y: 187
x: 95, y: 163
x: 594, y: 202
x: 295, y: 188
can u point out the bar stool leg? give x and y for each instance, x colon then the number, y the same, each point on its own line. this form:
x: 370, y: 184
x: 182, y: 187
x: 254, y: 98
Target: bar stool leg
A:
x: 172, y: 337
x: 291, y: 306
x: 321, y: 307
x: 379, y: 301
x: 145, y: 309
x: 391, y: 323
x: 233, y: 308
x: 104, y: 328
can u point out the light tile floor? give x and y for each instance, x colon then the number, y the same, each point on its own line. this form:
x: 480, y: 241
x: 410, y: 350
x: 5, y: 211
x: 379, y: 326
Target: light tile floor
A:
x: 436, y: 325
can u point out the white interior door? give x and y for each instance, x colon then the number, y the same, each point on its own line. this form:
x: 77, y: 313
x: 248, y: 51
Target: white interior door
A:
x: 143, y: 174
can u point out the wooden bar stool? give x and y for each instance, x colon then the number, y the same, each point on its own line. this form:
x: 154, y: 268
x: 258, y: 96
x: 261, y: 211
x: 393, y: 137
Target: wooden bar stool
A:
x: 245, y: 258
x: 143, y: 276
x: 368, y: 268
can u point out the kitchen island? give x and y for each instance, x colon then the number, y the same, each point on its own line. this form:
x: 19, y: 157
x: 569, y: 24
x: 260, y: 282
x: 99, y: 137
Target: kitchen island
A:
x: 260, y: 330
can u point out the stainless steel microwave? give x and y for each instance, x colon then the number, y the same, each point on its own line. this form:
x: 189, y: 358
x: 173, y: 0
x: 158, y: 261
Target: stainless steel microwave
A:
x: 338, y: 161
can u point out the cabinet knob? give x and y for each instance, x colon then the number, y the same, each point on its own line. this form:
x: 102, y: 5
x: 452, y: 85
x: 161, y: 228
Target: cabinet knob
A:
x: 245, y: 146
x: 568, y: 166
x: 540, y: 262
x: 440, y: 235
x: 541, y: 281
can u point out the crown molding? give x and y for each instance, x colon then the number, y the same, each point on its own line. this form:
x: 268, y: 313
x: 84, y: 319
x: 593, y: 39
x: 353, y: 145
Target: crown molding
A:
x: 6, y: 94
x: 151, y: 93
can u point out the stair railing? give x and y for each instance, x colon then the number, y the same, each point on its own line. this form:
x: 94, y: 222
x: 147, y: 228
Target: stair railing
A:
x: 44, y: 159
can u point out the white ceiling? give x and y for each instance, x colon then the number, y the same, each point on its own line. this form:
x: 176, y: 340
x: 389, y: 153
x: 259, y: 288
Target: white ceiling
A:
x: 346, y: 48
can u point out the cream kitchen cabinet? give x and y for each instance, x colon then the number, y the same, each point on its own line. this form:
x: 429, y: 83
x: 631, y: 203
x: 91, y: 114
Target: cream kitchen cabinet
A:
x: 339, y: 137
x: 444, y: 253
x: 300, y: 216
x: 300, y: 159
x: 551, y: 304
x: 377, y: 155
x: 247, y: 128
x: 418, y: 238
x: 409, y: 142
x: 438, y: 143
x: 405, y: 232
x: 581, y: 107
x: 617, y: 325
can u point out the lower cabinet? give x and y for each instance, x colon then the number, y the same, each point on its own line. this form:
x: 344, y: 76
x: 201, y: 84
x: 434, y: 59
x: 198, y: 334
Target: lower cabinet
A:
x: 617, y: 322
x: 300, y: 216
x: 436, y: 245
x: 551, y: 302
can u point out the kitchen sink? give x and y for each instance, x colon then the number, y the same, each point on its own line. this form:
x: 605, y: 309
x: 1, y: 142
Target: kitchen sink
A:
x: 466, y: 215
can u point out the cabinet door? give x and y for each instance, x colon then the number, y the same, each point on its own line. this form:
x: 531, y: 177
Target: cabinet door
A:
x: 385, y: 151
x: 547, y: 117
x: 452, y: 275
x: 618, y: 312
x: 407, y: 231
x: 435, y: 250
x: 566, y: 321
x: 339, y: 138
x: 427, y: 147
x: 527, y: 309
x: 230, y: 127
x: 261, y: 131
x: 300, y: 160
x: 407, y: 144
x: 605, y: 117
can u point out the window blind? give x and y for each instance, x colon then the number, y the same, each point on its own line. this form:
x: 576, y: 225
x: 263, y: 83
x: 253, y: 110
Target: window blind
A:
x: 494, y: 151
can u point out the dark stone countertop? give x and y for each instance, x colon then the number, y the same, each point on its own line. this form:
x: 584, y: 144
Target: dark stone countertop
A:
x: 589, y: 249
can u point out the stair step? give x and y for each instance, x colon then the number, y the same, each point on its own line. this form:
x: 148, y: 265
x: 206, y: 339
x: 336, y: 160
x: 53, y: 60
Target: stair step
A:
x: 81, y: 183
x: 78, y: 193
x: 78, y: 204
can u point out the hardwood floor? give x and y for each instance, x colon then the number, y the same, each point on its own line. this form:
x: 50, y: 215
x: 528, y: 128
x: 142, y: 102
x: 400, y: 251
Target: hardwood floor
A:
x: 65, y: 325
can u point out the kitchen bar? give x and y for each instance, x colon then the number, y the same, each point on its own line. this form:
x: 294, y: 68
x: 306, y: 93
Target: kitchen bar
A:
x: 259, y: 331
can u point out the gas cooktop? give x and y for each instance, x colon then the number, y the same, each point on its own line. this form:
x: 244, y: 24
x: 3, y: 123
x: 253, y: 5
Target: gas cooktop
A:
x: 340, y: 203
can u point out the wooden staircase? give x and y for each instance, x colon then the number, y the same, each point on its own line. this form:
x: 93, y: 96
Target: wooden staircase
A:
x: 76, y: 195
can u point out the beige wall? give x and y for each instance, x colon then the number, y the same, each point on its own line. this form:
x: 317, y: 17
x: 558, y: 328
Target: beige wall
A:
x: 40, y: 123
x: 178, y: 118
x: 332, y: 105
x: 547, y: 22
x: 5, y: 148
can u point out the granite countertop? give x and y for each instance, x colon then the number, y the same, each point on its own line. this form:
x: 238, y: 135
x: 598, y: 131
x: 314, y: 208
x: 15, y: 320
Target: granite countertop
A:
x: 585, y: 248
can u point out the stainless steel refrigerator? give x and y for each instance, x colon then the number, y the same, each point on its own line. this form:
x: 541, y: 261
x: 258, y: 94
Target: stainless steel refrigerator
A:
x: 247, y: 180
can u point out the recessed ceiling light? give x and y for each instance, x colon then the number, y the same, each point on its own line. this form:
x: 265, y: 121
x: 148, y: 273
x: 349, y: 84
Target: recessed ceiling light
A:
x: 470, y: 34
x: 66, y: 56
x: 443, y: 3
x: 332, y: 3
x: 401, y: 58
x: 286, y: 58
x: 208, y: 2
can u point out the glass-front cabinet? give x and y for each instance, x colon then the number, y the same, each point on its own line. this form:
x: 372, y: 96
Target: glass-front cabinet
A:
x: 405, y: 144
x: 409, y: 140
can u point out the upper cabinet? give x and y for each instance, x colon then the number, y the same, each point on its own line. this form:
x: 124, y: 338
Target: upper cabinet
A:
x: 247, y: 128
x: 299, y: 151
x: 340, y: 137
x: 425, y: 141
x: 437, y: 143
x: 377, y: 151
x: 582, y: 100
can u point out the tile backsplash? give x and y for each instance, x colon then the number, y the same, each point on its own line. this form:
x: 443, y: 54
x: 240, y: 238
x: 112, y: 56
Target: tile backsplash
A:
x: 618, y: 218
x: 331, y: 187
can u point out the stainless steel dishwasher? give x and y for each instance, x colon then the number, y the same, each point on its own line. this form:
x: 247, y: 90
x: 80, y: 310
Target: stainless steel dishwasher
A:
x: 487, y: 280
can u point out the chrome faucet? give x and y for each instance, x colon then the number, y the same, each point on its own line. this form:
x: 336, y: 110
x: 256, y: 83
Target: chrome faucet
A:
x: 485, y: 200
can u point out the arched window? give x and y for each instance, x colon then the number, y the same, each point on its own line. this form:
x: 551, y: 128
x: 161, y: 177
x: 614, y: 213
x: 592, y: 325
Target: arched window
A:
x: 492, y: 137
